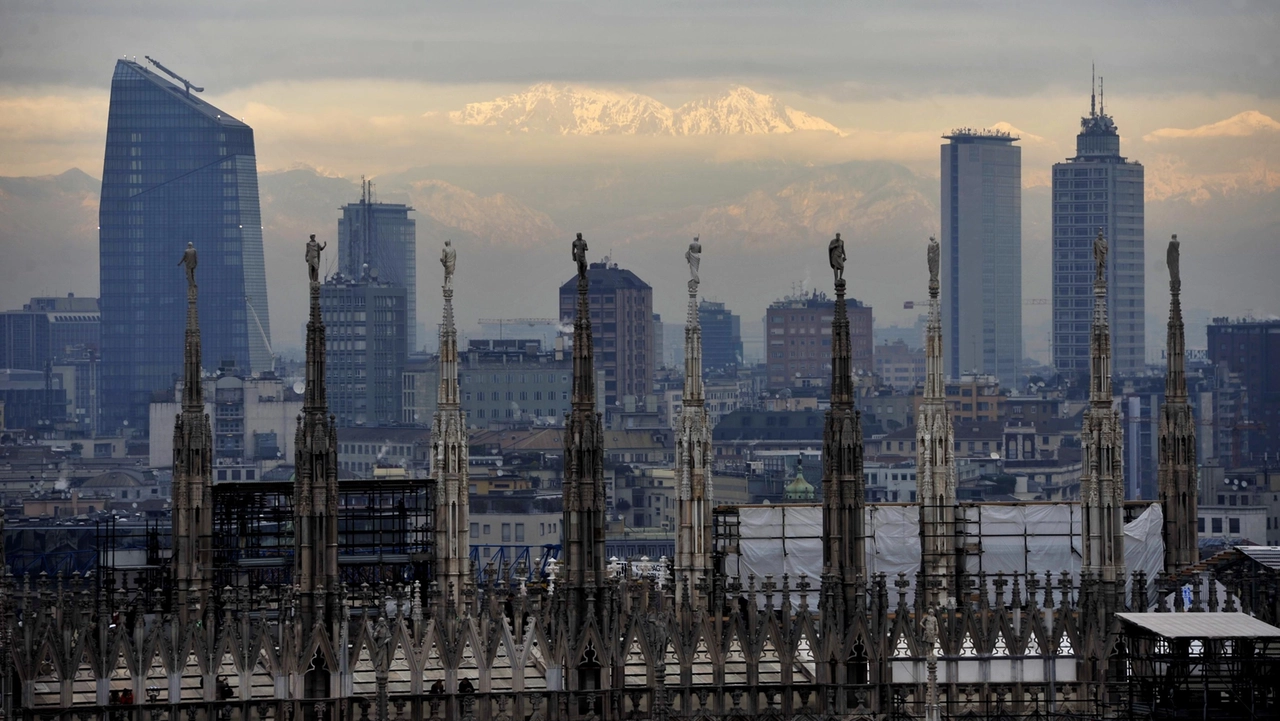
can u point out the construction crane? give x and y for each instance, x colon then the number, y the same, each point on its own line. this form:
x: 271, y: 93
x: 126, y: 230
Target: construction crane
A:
x: 186, y: 83
x: 908, y: 305
x: 265, y: 340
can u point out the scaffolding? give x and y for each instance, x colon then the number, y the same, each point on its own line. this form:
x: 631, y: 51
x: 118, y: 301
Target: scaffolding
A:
x: 1222, y: 666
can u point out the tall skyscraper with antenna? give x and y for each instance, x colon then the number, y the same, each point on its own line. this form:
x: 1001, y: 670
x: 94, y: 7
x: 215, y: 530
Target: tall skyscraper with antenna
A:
x: 1098, y: 189
x: 383, y: 237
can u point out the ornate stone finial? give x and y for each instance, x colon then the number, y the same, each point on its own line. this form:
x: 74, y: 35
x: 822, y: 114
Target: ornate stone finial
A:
x: 1171, y: 259
x: 835, y: 254
x: 1100, y: 257
x: 313, y: 258
x: 935, y: 255
x: 189, y: 260
x: 693, y: 256
x: 580, y: 256
x: 449, y: 259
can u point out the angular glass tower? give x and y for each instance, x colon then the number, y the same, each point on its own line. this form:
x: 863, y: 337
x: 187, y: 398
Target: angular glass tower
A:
x: 1098, y: 189
x: 177, y: 170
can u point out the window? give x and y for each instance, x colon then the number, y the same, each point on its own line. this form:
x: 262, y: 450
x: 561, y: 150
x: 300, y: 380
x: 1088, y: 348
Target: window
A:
x: 475, y: 530
x: 487, y: 530
x: 1217, y: 525
x: 1200, y: 524
x: 1233, y: 525
x: 506, y: 533
x: 519, y: 533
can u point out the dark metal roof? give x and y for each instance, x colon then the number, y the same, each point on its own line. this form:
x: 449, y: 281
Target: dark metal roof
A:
x: 1268, y: 556
x: 1202, y: 625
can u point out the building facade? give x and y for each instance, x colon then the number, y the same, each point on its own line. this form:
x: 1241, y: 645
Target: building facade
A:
x: 622, y: 308
x: 366, y: 349
x: 177, y: 171
x: 899, y: 365
x: 48, y: 330
x: 1098, y: 189
x: 721, y: 336
x: 383, y: 237
x: 798, y: 340
x: 982, y: 254
x: 510, y: 381
x: 1251, y: 348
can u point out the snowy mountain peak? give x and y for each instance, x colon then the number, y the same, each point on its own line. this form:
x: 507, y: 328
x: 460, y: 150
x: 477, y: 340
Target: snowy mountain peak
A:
x: 571, y: 110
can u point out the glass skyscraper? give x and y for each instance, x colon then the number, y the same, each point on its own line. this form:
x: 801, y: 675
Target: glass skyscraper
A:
x: 384, y: 237
x: 1098, y: 189
x: 981, y: 244
x: 176, y: 170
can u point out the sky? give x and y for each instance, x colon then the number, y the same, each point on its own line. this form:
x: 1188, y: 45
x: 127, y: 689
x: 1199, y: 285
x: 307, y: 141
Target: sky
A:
x: 366, y: 88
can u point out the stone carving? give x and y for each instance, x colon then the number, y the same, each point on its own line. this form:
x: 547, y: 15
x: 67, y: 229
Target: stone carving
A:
x: 1100, y: 256
x: 1171, y: 258
x: 929, y: 626
x: 449, y: 259
x: 313, y: 258
x: 580, y: 255
x: 934, y: 259
x: 189, y: 260
x: 693, y: 256
x: 835, y: 253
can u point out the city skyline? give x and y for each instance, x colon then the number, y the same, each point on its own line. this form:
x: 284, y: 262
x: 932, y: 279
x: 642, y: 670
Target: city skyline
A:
x: 1206, y: 140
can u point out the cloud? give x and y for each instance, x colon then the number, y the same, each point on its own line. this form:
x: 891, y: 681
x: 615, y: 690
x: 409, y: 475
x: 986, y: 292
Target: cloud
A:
x: 1022, y: 135
x: 1250, y: 122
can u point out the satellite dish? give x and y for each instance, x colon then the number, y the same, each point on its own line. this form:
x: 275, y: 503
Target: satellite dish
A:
x: 299, y: 387
x: 995, y: 456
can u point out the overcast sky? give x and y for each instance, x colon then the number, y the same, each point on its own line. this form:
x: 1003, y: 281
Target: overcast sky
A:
x: 356, y: 88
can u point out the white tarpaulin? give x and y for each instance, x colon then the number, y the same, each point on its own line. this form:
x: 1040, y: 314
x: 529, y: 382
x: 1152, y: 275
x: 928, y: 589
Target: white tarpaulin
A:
x: 1013, y: 538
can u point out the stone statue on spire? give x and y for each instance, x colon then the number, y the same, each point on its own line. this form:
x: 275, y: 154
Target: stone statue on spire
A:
x: 189, y: 260
x: 835, y: 253
x: 1171, y: 258
x: 313, y: 258
x: 693, y: 256
x: 1100, y: 256
x: 449, y: 259
x: 934, y: 258
x: 580, y: 256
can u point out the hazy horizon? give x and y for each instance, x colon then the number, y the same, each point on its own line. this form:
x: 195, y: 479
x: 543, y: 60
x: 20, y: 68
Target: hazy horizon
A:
x: 344, y: 93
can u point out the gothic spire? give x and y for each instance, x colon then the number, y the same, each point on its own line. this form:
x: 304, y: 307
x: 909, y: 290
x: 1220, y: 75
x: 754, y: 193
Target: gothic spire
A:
x: 1102, y: 481
x: 584, y: 496
x: 843, y: 484
x: 935, y: 458
x: 192, y: 526
x: 693, y: 459
x: 449, y: 451
x: 1176, y: 473
x: 315, y: 489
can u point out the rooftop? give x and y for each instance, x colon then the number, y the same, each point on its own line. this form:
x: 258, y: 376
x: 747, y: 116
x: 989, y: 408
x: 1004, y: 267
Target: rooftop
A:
x: 1201, y: 625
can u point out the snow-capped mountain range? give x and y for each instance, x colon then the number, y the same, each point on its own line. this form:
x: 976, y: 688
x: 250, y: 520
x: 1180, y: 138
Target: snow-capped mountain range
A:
x: 571, y: 110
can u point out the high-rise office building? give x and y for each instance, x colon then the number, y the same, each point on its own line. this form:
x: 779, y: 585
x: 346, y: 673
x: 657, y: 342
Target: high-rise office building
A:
x: 622, y: 319
x: 1098, y: 189
x: 383, y: 237
x: 1251, y: 348
x: 797, y: 331
x: 177, y: 171
x: 365, y: 351
x: 982, y: 255
x: 721, y: 336
x: 48, y: 330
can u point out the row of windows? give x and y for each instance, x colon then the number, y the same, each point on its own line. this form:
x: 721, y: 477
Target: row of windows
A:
x: 512, y: 395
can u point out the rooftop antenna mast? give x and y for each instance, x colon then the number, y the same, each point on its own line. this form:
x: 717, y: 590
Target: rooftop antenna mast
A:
x: 1102, y: 98
x: 1093, y: 89
x: 186, y: 83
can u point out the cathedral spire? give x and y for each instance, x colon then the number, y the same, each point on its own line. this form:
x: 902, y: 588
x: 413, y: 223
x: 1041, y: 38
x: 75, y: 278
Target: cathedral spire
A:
x: 315, y: 488
x: 449, y: 452
x: 192, y: 460
x: 1102, y: 482
x: 584, y: 497
x: 693, y: 458
x: 843, y: 484
x: 935, y: 458
x: 1176, y: 474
